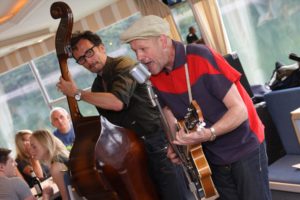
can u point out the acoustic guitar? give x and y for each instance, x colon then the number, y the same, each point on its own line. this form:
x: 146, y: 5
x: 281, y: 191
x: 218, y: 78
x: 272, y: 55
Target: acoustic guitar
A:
x: 194, y: 156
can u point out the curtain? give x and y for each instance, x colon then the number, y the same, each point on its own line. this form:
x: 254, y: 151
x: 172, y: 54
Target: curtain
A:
x: 156, y: 7
x: 174, y: 32
x: 153, y: 7
x: 207, y: 15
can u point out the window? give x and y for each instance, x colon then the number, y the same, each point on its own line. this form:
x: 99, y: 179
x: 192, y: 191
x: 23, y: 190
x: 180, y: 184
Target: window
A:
x: 28, y: 92
x: 22, y: 105
x: 49, y: 72
x: 184, y: 18
x: 111, y: 37
x: 262, y: 32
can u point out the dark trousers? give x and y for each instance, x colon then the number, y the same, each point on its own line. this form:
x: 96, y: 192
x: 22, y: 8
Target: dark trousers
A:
x: 246, y: 179
x: 168, y: 178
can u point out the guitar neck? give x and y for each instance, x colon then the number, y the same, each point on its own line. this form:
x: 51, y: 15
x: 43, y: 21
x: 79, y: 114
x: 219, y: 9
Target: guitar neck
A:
x: 73, y: 105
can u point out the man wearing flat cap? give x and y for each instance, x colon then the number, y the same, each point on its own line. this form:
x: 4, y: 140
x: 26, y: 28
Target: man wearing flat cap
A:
x: 233, y: 138
x: 148, y: 27
x: 119, y: 98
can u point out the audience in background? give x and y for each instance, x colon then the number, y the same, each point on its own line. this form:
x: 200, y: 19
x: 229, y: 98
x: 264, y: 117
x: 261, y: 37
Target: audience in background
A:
x: 26, y: 163
x: 13, y: 187
x: 61, y: 120
x: 51, y: 151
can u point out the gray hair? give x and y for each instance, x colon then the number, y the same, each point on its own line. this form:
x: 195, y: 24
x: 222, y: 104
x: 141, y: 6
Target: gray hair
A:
x: 57, y: 109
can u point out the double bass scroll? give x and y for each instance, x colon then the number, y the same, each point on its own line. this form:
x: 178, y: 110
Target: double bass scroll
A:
x: 87, y: 181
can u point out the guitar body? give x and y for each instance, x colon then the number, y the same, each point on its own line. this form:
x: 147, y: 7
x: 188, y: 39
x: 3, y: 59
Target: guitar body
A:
x: 87, y: 181
x: 121, y: 153
x: 203, y: 169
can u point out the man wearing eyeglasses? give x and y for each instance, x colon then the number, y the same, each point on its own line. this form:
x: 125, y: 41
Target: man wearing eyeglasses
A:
x: 119, y: 98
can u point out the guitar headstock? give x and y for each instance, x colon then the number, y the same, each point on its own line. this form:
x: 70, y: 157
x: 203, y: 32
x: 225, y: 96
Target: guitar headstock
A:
x: 194, y: 118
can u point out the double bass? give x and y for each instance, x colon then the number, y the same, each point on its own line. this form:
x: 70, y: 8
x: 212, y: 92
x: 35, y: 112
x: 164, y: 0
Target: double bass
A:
x: 106, y: 161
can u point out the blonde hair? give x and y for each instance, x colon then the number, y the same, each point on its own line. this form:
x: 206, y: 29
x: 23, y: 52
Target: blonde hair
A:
x: 56, y: 149
x: 20, y: 148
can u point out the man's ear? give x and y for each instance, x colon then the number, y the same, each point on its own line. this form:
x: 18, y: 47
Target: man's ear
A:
x: 101, y: 48
x: 2, y: 166
x: 163, y: 40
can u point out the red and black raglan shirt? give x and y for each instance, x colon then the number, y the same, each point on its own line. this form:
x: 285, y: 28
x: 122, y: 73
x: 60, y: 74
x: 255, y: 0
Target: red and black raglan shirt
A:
x: 211, y: 77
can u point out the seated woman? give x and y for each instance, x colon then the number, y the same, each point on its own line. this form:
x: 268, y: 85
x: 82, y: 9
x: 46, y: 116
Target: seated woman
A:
x: 51, y: 151
x: 26, y: 163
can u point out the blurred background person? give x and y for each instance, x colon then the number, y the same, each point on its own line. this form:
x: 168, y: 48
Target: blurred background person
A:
x: 13, y: 187
x: 51, y: 151
x: 61, y: 120
x: 26, y: 163
x: 192, y: 37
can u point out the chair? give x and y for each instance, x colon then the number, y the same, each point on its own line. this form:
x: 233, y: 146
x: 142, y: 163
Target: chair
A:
x: 282, y: 176
x: 234, y: 61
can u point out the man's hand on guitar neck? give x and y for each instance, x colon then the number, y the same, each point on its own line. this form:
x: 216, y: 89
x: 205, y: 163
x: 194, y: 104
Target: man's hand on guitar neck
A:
x: 183, y: 138
x: 193, y: 137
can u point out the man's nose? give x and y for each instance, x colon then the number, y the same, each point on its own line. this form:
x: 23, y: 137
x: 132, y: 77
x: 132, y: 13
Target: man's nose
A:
x: 89, y: 61
x: 139, y: 56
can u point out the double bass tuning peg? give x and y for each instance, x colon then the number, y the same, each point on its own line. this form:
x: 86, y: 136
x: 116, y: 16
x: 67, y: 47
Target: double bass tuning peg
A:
x: 68, y: 50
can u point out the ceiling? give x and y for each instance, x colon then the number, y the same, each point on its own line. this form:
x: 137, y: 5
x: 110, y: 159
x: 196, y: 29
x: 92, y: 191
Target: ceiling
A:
x: 33, y: 21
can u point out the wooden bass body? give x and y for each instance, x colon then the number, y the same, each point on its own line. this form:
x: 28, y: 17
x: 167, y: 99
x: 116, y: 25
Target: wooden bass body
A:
x: 122, y: 155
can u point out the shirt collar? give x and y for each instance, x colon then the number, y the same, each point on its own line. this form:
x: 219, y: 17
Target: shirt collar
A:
x: 180, y: 55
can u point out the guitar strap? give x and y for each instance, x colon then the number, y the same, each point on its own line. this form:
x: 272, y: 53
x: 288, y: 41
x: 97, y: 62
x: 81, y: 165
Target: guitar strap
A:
x: 192, y: 184
x: 188, y: 83
x: 213, y: 194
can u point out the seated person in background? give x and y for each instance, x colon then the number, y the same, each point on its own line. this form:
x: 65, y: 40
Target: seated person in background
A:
x: 192, y: 37
x: 51, y: 151
x: 11, y: 186
x: 61, y: 120
x: 26, y: 163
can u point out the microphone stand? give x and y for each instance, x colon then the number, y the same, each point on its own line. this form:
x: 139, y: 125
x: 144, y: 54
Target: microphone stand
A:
x: 141, y: 75
x: 187, y: 164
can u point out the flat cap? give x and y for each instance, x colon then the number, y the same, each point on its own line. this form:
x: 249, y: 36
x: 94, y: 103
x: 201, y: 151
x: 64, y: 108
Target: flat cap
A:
x: 145, y: 27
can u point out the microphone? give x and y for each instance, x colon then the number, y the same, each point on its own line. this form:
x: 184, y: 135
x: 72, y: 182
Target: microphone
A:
x: 140, y: 73
x: 294, y: 57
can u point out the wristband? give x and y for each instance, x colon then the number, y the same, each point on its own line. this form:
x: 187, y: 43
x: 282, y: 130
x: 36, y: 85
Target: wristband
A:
x: 213, y: 134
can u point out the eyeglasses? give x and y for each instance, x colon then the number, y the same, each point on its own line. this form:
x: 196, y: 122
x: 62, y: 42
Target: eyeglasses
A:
x: 88, y: 53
